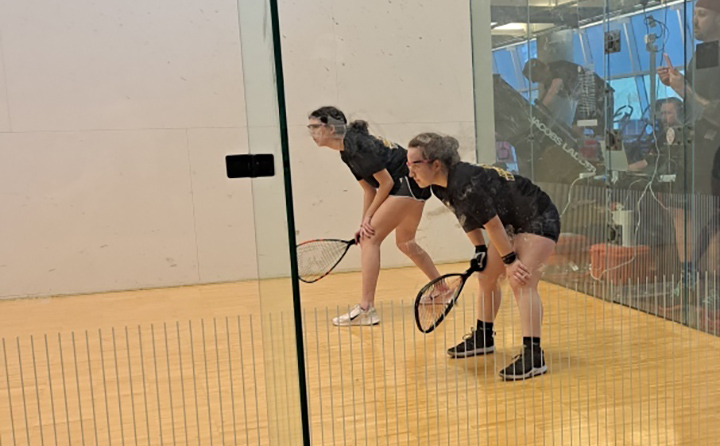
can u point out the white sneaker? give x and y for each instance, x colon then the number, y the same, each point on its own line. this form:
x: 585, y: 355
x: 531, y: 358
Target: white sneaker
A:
x: 357, y: 316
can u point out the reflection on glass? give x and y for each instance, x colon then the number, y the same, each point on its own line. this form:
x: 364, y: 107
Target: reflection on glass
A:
x: 624, y: 135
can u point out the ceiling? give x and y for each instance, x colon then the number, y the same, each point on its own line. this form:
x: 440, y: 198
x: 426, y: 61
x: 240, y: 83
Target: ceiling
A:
x: 513, y: 20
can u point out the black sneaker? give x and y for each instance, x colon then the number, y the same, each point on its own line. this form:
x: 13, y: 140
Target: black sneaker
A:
x: 529, y: 363
x: 473, y: 344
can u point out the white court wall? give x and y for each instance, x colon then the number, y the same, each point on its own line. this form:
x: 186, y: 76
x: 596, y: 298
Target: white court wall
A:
x: 115, y: 119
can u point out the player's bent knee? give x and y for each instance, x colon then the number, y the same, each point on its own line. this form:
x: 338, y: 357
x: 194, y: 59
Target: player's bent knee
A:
x: 408, y: 247
x: 520, y: 290
x: 487, y: 282
x: 373, y: 241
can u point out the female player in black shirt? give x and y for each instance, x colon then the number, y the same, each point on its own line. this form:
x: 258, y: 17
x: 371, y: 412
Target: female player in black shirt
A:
x: 523, y: 226
x: 392, y: 200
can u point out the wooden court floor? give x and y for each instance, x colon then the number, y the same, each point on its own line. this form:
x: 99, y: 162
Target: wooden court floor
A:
x: 216, y: 364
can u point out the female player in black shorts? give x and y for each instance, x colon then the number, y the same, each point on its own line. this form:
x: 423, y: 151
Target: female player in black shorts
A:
x: 523, y: 226
x: 392, y: 200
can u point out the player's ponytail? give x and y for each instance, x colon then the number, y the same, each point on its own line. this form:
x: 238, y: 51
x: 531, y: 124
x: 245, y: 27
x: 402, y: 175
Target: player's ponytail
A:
x: 332, y: 116
x: 451, y: 146
x: 359, y: 126
x: 438, y: 147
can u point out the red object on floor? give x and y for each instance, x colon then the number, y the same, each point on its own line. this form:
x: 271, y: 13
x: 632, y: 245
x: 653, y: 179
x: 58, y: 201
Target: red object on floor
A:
x: 621, y: 265
x: 570, y: 248
x: 709, y: 321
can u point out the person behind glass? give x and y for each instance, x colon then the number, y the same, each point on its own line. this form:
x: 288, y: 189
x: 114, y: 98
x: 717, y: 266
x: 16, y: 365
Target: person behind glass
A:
x: 523, y: 226
x: 669, y: 115
x: 671, y: 118
x: 569, y: 91
x: 392, y: 201
x: 700, y: 89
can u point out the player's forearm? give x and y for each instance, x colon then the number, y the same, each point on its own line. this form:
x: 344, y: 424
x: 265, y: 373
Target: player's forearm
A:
x: 498, y: 236
x: 712, y: 112
x: 547, y: 98
x: 552, y: 91
x: 382, y: 193
x: 684, y: 90
x: 476, y: 237
x: 368, y: 198
x: 709, y: 108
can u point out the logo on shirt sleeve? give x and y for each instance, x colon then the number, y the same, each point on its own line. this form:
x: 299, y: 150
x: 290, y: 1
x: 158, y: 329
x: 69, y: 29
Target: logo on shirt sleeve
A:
x: 387, y: 143
x: 502, y: 172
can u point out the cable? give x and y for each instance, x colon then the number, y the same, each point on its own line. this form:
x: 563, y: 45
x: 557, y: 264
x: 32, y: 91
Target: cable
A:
x: 652, y: 192
x: 639, y: 214
x: 664, y: 37
x: 630, y: 190
x: 570, y: 196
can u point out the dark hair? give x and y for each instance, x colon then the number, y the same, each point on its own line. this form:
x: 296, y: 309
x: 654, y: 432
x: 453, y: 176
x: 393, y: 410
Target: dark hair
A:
x: 330, y: 115
x: 438, y: 147
x: 708, y: 4
x: 533, y: 69
x: 678, y: 103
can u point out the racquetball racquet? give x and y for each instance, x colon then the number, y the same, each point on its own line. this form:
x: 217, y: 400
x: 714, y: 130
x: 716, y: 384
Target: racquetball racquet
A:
x: 437, y: 298
x: 317, y: 258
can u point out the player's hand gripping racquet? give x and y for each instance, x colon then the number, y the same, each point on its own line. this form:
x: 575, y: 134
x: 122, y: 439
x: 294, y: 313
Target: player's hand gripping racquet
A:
x: 317, y: 258
x: 437, y: 298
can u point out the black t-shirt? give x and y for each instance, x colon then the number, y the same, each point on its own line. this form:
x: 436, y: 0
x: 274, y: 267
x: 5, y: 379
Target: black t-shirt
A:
x: 578, y: 83
x: 703, y: 71
x: 703, y: 75
x: 367, y: 155
x: 477, y: 193
x: 571, y: 75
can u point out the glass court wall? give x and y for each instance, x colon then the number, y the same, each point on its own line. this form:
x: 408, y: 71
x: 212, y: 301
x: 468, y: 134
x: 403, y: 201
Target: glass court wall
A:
x: 150, y: 299
x: 628, y: 157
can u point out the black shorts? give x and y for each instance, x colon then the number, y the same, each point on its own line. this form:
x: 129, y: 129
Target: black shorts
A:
x: 407, y: 187
x: 545, y: 225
